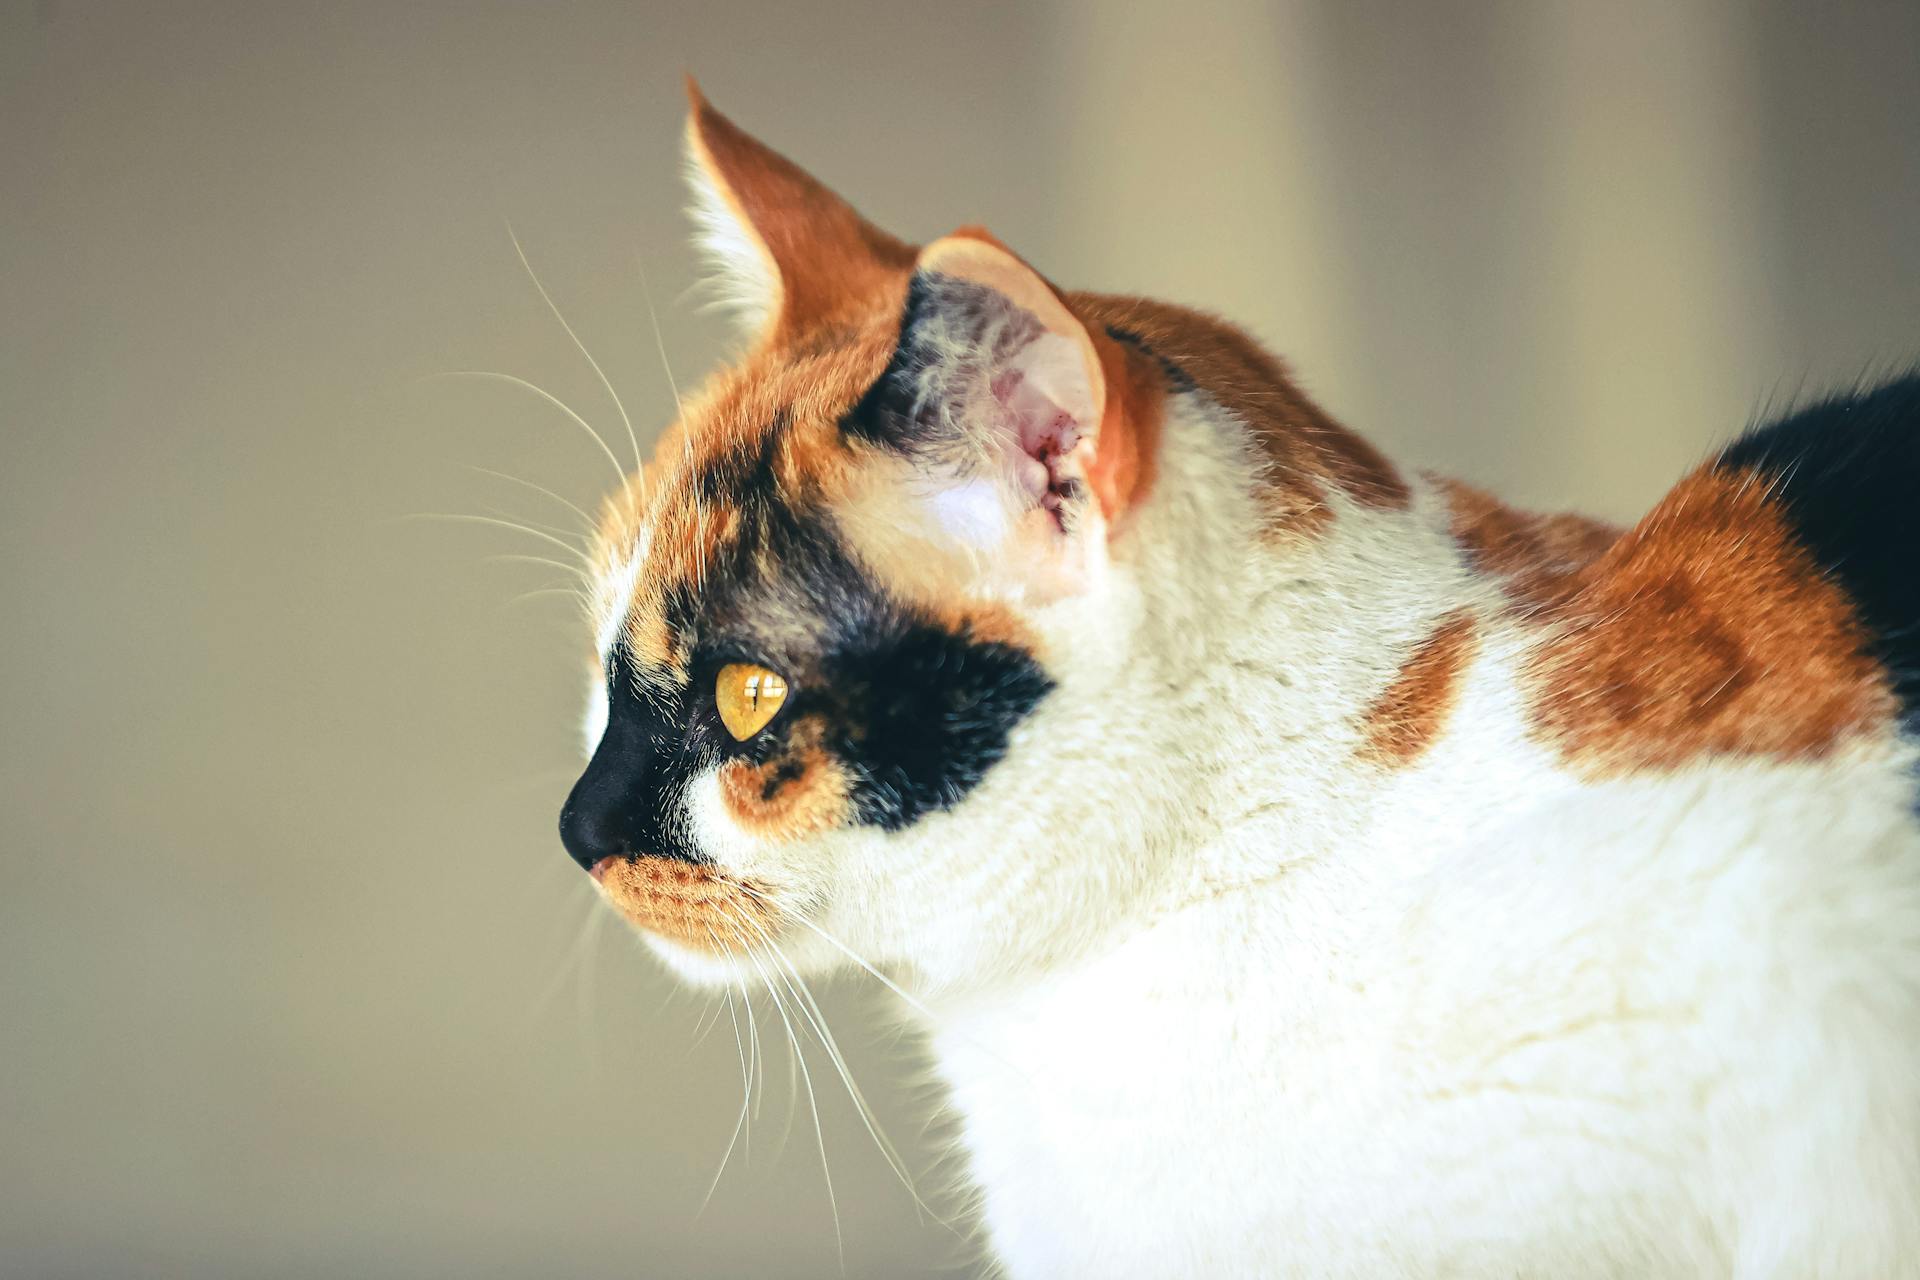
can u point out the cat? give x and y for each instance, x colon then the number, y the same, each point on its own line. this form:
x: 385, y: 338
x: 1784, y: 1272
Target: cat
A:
x: 1297, y: 864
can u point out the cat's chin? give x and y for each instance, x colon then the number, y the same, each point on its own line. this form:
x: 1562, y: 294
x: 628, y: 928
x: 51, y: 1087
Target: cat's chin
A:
x: 700, y: 968
x: 785, y: 956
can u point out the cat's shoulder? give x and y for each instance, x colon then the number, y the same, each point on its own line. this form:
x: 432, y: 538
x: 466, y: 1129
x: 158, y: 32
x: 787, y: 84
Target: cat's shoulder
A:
x: 1766, y: 607
x: 1844, y: 473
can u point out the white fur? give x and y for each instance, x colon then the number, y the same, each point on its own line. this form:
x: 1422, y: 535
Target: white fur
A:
x: 610, y: 603
x: 742, y: 277
x: 1214, y: 999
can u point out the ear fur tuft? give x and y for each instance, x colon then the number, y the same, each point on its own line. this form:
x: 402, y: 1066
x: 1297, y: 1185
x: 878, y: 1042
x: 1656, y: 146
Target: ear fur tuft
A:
x: 742, y: 277
x: 790, y: 255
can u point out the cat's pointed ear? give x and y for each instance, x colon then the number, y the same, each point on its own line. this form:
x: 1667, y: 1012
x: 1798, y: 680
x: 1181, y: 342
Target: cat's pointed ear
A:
x: 1032, y: 430
x: 788, y: 253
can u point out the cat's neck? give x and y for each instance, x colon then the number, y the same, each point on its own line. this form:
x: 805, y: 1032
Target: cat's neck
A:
x: 1275, y: 647
x: 1219, y: 723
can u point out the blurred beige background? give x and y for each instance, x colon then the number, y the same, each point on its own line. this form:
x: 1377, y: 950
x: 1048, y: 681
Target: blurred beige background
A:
x: 295, y: 979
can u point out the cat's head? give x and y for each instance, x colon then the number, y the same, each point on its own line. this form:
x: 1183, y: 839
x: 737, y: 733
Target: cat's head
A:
x: 854, y: 569
x: 865, y: 621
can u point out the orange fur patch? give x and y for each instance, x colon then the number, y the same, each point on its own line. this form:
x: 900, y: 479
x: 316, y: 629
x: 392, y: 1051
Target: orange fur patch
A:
x: 1411, y: 712
x: 808, y: 388
x: 800, y: 792
x: 648, y: 639
x: 1123, y: 470
x: 692, y: 905
x: 1705, y: 630
x: 987, y: 623
x: 830, y: 262
x: 1538, y: 558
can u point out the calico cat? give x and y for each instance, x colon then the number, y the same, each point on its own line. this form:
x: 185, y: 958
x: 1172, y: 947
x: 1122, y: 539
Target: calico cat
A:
x: 1298, y: 865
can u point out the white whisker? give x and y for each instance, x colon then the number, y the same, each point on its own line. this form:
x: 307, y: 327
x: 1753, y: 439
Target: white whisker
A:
x: 513, y: 380
x: 587, y: 522
x: 705, y: 1025
x: 745, y: 1084
x: 842, y: 947
x: 538, y: 593
x: 813, y: 1103
x: 565, y: 535
x: 758, y: 1090
x: 549, y: 561
x: 498, y: 523
x: 810, y: 1009
x: 545, y: 297
x: 659, y: 340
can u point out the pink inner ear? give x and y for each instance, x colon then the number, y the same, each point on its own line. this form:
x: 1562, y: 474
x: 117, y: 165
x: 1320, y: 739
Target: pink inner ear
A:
x: 1047, y: 429
x: 1047, y: 434
x: 1051, y: 390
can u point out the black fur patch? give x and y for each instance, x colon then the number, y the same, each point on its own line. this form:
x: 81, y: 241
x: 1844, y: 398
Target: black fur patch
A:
x: 916, y: 712
x: 929, y: 712
x: 952, y: 334
x: 882, y: 416
x: 744, y: 475
x: 1847, y: 472
x: 1177, y: 377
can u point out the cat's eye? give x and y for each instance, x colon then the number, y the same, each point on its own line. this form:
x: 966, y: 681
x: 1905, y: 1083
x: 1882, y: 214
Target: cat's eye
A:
x: 748, y: 696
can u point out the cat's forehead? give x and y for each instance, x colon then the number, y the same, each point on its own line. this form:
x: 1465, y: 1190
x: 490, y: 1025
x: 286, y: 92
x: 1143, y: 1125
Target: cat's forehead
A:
x: 772, y: 419
x: 737, y: 495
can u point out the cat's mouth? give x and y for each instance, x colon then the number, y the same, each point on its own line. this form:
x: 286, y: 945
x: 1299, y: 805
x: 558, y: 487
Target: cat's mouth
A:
x: 688, y: 904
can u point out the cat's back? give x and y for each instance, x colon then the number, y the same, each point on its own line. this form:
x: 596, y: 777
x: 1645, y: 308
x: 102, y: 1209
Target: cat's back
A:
x: 1846, y: 474
x: 1675, y: 970
x: 1767, y: 608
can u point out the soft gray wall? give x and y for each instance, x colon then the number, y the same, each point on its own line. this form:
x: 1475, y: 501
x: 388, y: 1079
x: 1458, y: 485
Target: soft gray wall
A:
x: 296, y: 980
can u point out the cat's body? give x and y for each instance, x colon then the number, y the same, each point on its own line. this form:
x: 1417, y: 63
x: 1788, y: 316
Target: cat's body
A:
x: 1483, y: 1077
x: 1467, y: 1013
x: 1298, y: 866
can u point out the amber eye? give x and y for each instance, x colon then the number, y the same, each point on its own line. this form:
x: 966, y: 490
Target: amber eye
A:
x: 748, y: 696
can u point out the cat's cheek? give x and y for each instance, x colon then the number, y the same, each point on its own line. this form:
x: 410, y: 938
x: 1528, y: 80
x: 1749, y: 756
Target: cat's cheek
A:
x: 712, y: 828
x: 737, y: 845
x: 782, y: 847
x: 972, y: 513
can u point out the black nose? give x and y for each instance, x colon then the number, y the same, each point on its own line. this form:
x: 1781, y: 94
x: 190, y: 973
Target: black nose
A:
x: 605, y: 813
x: 591, y: 832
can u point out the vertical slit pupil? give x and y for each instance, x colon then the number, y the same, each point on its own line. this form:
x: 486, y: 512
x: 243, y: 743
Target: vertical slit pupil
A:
x: 748, y: 696
x: 764, y: 685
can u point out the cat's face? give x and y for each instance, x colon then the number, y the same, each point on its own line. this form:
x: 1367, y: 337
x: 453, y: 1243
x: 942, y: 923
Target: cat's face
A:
x: 832, y: 603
